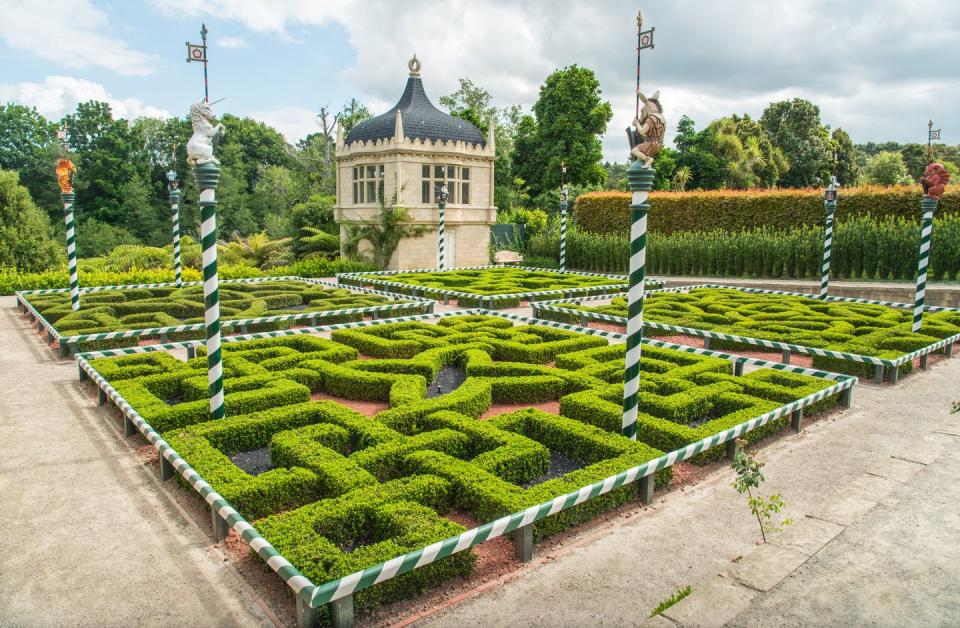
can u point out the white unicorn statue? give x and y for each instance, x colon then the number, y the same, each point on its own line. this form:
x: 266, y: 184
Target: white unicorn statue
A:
x: 205, y: 135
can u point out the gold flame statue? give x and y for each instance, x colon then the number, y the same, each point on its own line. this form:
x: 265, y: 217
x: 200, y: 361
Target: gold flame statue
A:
x: 65, y: 172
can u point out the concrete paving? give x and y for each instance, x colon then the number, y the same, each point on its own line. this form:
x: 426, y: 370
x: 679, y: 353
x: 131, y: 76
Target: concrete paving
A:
x: 89, y: 537
x: 876, y: 539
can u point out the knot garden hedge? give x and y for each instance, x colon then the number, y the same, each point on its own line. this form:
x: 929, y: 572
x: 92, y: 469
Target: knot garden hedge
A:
x: 115, y: 316
x: 847, y: 335
x: 350, y: 501
x: 490, y: 287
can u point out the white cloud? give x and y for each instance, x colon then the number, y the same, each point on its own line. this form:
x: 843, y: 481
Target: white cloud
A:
x: 59, y: 95
x: 231, y: 42
x: 70, y: 33
x: 294, y: 123
x: 878, y: 69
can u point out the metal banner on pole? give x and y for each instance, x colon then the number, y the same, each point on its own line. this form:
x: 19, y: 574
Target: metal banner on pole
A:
x: 198, y: 53
x: 646, y: 140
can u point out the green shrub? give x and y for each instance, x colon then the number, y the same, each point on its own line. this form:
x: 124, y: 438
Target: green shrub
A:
x: 733, y: 210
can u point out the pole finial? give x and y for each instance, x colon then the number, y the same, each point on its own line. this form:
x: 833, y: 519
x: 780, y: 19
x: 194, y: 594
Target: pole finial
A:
x: 414, y: 65
x: 639, y: 19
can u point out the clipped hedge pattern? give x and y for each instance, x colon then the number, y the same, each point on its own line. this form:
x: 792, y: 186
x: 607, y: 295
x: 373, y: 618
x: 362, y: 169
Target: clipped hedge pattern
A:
x: 489, y: 282
x: 732, y: 210
x: 861, y: 328
x: 141, y: 308
x: 345, y: 491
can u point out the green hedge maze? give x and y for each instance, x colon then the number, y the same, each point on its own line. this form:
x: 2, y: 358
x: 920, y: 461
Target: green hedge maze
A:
x: 120, y: 316
x: 472, y: 414
x: 489, y: 287
x: 842, y: 335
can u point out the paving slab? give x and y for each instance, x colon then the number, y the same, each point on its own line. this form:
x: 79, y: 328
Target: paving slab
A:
x: 714, y: 605
x: 895, y: 469
x: 764, y: 568
x: 807, y: 535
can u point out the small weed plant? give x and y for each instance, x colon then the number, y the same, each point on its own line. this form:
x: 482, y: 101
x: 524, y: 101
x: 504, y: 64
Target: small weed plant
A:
x: 670, y: 601
x: 750, y: 477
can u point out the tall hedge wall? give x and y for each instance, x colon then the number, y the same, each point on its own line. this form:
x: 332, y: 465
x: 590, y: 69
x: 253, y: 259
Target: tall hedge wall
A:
x: 734, y: 210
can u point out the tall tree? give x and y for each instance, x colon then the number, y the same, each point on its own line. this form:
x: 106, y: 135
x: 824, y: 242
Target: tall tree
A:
x: 794, y: 127
x: 698, y: 156
x: 25, y: 242
x: 847, y: 168
x: 27, y: 146
x: 570, y: 119
x: 887, y: 168
x: 474, y: 104
x: 353, y: 113
x: 109, y: 155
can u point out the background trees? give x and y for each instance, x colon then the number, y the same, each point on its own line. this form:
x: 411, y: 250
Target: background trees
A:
x: 287, y: 191
x: 569, y: 119
x: 25, y: 241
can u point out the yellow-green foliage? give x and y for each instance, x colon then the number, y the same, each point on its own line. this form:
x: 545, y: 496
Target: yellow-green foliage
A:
x: 346, y: 491
x: 733, y: 210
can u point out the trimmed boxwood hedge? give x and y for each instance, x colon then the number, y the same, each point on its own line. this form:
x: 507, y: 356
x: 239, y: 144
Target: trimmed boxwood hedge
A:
x: 345, y: 491
x: 732, y: 210
x: 487, y: 286
x: 142, y: 308
x: 861, y: 328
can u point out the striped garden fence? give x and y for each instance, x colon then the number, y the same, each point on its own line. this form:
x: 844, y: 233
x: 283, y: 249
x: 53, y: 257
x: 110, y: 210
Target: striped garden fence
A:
x: 882, y: 366
x: 339, y: 592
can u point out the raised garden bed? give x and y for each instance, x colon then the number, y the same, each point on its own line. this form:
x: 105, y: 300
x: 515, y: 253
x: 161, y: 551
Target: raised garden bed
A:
x: 116, y: 316
x: 350, y: 506
x: 857, y: 336
x: 490, y: 287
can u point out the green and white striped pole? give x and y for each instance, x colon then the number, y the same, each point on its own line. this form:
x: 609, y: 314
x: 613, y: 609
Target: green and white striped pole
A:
x: 928, y: 205
x: 208, y: 176
x: 175, y: 216
x: 564, y: 192
x: 641, y: 182
x: 830, y: 205
x: 68, y: 198
x: 442, y: 227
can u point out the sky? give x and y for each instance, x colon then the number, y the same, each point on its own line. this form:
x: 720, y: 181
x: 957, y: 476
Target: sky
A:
x: 878, y: 68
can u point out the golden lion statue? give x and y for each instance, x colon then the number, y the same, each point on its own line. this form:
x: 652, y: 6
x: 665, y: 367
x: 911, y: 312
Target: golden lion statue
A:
x: 934, y: 180
x: 65, y: 172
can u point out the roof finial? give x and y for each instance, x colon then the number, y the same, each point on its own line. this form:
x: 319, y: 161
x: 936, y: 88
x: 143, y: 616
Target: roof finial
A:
x: 414, y: 65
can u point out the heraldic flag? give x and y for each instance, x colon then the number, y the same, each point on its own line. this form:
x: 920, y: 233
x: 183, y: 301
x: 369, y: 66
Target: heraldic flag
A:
x: 196, y: 53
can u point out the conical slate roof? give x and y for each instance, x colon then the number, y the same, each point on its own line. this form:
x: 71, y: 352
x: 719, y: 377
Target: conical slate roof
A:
x: 421, y: 120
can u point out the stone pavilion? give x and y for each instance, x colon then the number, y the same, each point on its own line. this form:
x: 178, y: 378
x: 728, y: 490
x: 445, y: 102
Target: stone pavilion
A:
x: 409, y: 151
